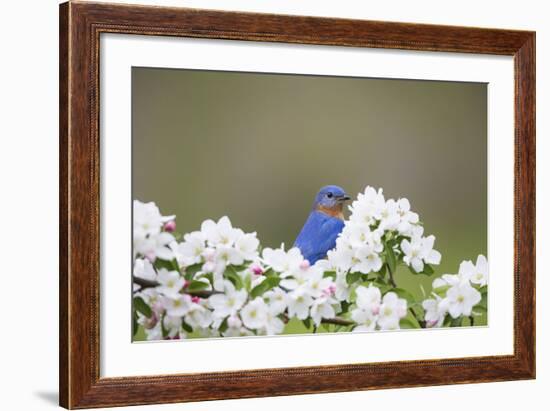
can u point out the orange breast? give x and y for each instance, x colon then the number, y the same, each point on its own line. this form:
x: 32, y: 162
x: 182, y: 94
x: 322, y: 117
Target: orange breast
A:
x: 333, y: 212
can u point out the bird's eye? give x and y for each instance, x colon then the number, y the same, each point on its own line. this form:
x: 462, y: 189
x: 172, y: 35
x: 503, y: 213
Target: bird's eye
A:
x: 329, y: 195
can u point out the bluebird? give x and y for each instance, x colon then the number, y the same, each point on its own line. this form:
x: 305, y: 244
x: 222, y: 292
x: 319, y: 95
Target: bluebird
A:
x: 324, y: 223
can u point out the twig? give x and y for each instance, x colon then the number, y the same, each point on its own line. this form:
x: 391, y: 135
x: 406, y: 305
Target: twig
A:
x: 421, y: 322
x: 337, y: 321
x: 143, y: 283
x: 392, y: 281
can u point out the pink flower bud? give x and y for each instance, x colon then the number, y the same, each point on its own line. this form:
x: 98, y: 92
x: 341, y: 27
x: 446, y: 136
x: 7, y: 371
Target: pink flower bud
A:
x: 330, y: 290
x: 195, y: 299
x: 376, y: 309
x: 186, y: 283
x: 170, y: 226
x: 304, y: 265
x: 257, y: 270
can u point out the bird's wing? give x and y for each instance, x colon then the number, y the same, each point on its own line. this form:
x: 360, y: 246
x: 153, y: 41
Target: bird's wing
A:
x: 318, y: 235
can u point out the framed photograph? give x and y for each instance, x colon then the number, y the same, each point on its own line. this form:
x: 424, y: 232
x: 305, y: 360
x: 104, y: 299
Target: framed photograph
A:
x: 260, y: 205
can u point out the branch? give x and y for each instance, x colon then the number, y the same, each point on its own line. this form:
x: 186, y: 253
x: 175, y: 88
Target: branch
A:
x: 337, y: 321
x: 143, y: 283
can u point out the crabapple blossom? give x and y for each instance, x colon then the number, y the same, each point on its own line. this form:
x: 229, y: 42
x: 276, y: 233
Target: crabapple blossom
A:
x: 144, y: 269
x: 435, y: 310
x: 170, y: 282
x: 391, y: 311
x: 222, y: 286
x: 254, y: 314
x: 228, y: 303
x: 285, y: 263
x: 177, y: 306
x: 478, y: 273
x: 461, y: 299
x: 419, y: 251
x: 298, y: 304
x: 323, y: 307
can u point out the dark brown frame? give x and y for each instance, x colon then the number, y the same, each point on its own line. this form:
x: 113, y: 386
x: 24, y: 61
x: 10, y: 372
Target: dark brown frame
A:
x: 80, y: 27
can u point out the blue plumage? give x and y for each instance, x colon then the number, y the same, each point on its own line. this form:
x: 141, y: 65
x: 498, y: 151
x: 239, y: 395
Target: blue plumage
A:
x: 324, y: 223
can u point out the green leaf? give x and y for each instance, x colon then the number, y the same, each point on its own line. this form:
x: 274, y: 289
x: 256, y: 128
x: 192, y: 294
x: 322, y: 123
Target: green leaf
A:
x: 192, y: 270
x: 352, y: 277
x: 344, y: 306
x: 307, y: 323
x: 402, y: 293
x: 195, y: 285
x: 142, y: 307
x: 171, y: 265
x: 135, y: 324
x: 247, y: 282
x: 407, y: 323
x: 428, y: 269
x: 483, y: 303
x: 163, y: 329
x: 223, y: 326
x: 234, y: 277
x: 456, y: 322
x: 384, y: 288
x: 331, y: 274
x: 264, y: 286
x: 390, y: 258
x: 441, y: 291
x: 208, y: 276
x: 186, y: 327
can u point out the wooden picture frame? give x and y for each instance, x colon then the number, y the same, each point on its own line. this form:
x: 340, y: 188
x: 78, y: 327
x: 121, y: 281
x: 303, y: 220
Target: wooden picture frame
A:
x: 80, y: 27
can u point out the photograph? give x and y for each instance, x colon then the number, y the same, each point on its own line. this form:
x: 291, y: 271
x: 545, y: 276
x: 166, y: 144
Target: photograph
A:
x: 278, y: 203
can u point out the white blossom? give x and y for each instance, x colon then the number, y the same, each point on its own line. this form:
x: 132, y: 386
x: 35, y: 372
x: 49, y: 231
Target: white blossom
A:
x: 435, y: 311
x: 220, y: 233
x: 228, y: 303
x: 170, y: 282
x: 254, y: 314
x: 392, y: 310
x: 478, y: 273
x: 298, y: 304
x: 247, y: 244
x: 461, y: 299
x: 323, y: 307
x: 144, y: 269
x: 419, y: 251
x: 285, y: 263
x: 198, y: 316
x: 177, y: 306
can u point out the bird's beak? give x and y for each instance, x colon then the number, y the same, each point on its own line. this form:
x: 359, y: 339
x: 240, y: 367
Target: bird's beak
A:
x: 343, y: 198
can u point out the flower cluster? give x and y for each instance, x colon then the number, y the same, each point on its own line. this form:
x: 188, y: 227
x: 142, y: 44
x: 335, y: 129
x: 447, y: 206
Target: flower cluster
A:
x: 374, y: 311
x: 378, y: 236
x: 455, y: 295
x: 215, y: 282
x: 218, y: 282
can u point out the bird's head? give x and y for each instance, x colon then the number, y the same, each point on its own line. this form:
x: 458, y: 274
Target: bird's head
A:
x: 330, y: 198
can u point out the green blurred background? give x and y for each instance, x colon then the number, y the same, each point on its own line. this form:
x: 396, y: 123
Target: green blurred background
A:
x: 257, y: 147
